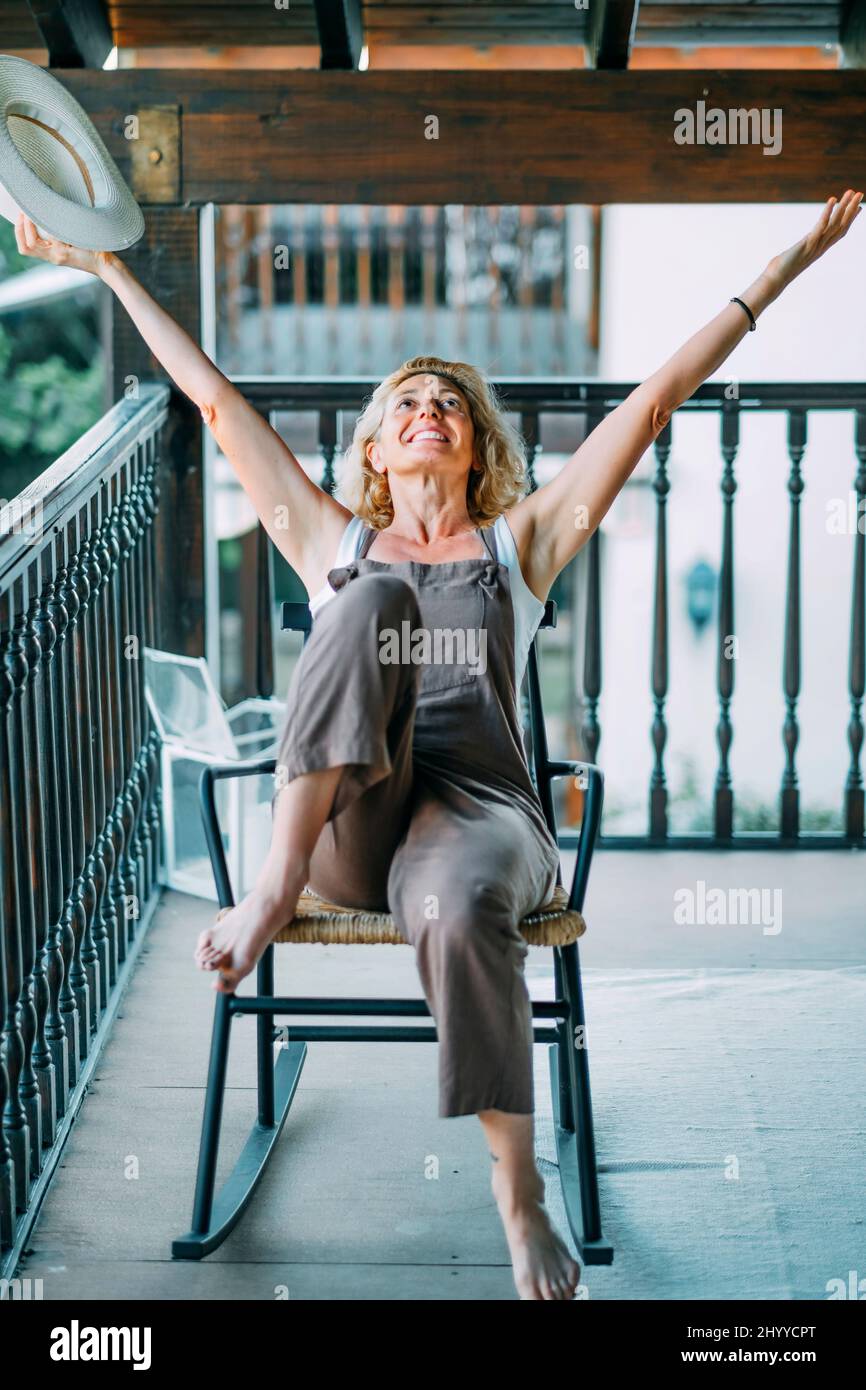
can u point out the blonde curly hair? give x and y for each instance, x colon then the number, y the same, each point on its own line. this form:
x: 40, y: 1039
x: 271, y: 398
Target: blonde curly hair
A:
x: 500, y: 482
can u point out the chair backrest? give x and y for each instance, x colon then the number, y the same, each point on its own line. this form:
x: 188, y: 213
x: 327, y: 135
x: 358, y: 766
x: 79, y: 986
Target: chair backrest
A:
x: 548, y: 618
x: 297, y: 617
x: 537, y: 727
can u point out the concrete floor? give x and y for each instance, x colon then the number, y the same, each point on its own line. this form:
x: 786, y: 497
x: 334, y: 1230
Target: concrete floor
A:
x: 347, y: 1208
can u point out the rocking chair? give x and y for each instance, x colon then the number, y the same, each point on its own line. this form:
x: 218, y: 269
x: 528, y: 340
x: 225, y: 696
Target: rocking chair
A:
x: 558, y: 923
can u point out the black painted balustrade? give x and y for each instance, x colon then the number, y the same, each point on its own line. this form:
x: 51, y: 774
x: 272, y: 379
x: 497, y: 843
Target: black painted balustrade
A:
x: 79, y: 790
x: 530, y: 400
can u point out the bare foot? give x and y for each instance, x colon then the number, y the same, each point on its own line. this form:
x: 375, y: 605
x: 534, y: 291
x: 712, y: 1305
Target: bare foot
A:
x: 541, y: 1264
x: 236, y: 942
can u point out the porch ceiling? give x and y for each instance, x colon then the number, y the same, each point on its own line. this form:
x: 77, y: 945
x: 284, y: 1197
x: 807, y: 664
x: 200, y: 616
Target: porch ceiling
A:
x: 472, y: 21
x: 602, y: 34
x: 245, y: 133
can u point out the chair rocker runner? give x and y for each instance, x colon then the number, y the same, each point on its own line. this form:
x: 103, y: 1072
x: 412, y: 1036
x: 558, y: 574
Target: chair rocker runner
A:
x: 558, y: 924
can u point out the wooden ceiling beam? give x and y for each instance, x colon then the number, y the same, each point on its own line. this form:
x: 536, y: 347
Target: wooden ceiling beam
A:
x: 341, y: 33
x: 76, y: 33
x: 610, y: 33
x: 852, y: 34
x: 489, y: 137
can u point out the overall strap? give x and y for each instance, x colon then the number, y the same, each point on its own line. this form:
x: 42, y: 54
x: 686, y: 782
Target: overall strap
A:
x: 488, y: 536
x: 370, y: 534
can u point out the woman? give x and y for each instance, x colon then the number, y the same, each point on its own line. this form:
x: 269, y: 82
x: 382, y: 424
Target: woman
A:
x: 402, y: 782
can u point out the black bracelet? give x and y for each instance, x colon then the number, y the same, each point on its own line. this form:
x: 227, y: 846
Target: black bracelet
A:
x: 752, y: 324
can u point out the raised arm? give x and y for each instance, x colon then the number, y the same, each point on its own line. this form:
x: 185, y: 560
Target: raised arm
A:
x: 553, y: 523
x: 304, y: 522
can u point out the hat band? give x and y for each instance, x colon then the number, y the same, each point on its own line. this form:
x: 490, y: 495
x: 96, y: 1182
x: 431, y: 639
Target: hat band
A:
x: 84, y: 171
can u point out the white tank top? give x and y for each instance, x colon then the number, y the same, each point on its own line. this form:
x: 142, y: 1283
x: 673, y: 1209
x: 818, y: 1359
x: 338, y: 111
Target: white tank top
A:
x: 528, y: 610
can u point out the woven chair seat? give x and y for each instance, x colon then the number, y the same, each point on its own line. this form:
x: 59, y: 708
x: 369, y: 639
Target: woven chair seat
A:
x: 316, y: 919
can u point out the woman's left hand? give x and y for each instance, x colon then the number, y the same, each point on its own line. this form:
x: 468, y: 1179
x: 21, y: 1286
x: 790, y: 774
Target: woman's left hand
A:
x: 830, y: 228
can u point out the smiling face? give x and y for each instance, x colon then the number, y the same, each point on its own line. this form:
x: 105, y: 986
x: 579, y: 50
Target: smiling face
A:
x: 426, y: 423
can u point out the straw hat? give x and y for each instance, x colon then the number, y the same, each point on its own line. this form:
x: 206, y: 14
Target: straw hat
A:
x: 54, y: 166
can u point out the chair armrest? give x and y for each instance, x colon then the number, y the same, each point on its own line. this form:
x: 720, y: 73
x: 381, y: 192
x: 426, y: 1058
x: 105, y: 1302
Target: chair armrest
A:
x: 239, y: 768
x: 591, y: 778
x: 210, y: 820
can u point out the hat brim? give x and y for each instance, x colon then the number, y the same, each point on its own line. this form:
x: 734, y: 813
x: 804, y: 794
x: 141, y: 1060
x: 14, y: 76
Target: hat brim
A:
x: 116, y: 221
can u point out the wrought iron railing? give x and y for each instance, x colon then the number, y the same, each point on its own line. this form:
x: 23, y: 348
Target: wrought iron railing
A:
x: 79, y: 795
x: 532, y: 401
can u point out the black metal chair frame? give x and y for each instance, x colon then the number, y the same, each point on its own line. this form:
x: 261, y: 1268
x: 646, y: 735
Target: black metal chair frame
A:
x: 214, y: 1215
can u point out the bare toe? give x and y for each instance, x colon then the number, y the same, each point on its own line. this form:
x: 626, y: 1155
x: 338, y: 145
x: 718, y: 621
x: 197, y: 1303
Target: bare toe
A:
x: 543, y: 1268
x: 203, y: 942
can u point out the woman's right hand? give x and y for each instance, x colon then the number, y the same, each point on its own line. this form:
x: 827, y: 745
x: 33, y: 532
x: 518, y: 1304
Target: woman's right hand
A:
x: 56, y: 252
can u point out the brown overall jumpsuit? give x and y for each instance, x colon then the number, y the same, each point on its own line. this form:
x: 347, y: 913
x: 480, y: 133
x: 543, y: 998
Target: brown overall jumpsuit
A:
x: 435, y: 817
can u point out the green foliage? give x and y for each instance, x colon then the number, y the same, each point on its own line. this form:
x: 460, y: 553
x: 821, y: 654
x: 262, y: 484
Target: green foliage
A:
x: 11, y: 260
x: 45, y: 406
x: 52, y: 375
x: 690, y: 810
x: 751, y: 812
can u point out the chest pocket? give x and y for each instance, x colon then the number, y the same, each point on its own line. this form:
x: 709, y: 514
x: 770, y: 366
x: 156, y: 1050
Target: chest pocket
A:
x: 454, y: 619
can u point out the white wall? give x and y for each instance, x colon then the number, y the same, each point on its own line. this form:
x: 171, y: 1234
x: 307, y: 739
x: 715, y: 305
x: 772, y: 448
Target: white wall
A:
x: 667, y: 270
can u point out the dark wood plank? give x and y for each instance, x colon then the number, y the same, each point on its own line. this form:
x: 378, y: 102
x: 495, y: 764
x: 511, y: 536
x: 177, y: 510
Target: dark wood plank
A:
x: 166, y: 261
x: 179, y: 23
x: 736, y: 23
x: 475, y: 23
x: 504, y: 137
x: 18, y: 28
